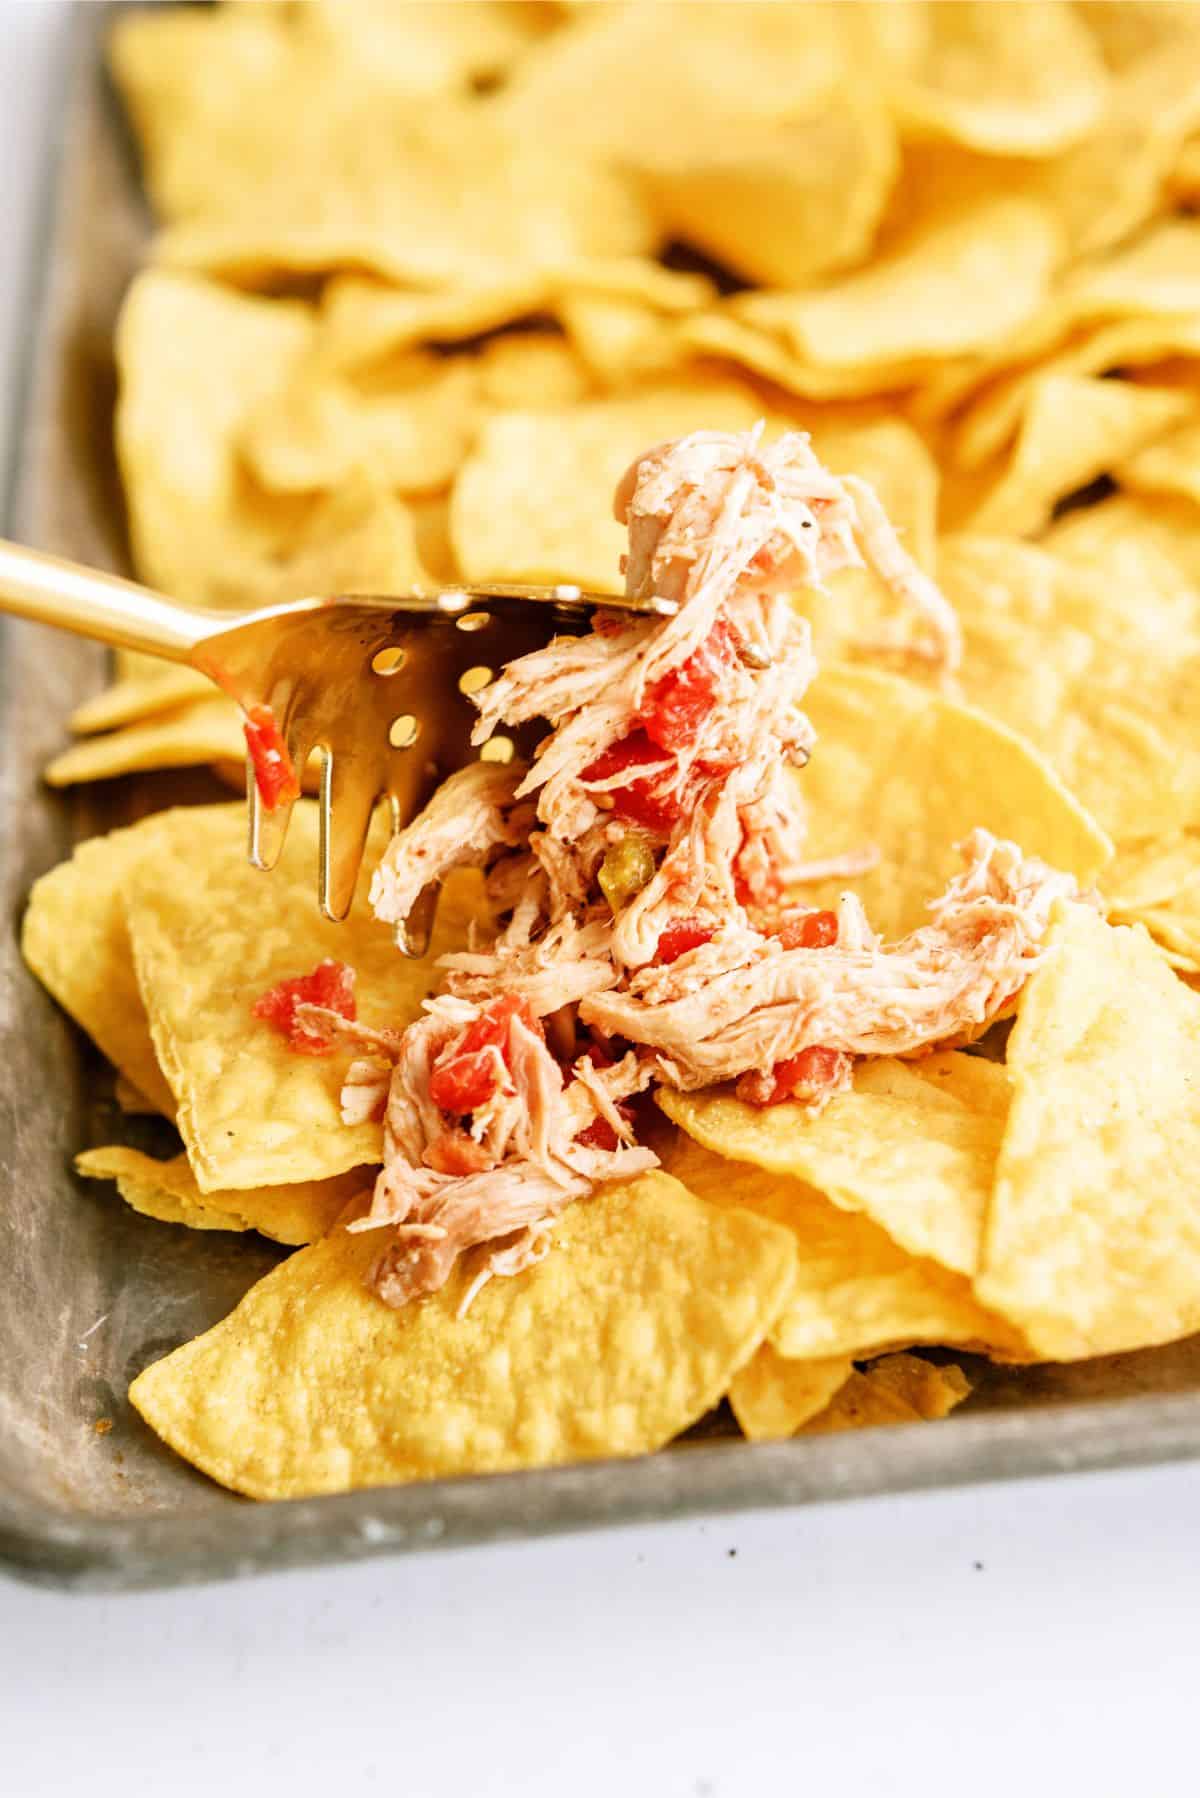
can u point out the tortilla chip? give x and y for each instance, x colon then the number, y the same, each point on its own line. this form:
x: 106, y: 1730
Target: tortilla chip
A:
x: 1108, y: 690
x: 898, y: 1389
x: 252, y: 1113
x: 783, y: 203
x: 771, y: 1397
x: 362, y: 322
x: 1171, y: 465
x: 206, y: 730
x: 406, y: 426
x: 994, y: 418
x: 1073, y: 429
x: 76, y: 941
x: 953, y: 283
x: 526, y: 370
x: 608, y: 83
x: 856, y: 1292
x: 912, y: 774
x: 1103, y: 188
x: 202, y: 528
x: 193, y: 361
x: 1174, y: 924
x: 912, y: 1147
x: 134, y: 697
x: 1152, y: 871
x: 273, y: 1401
x: 560, y: 527
x: 754, y: 347
x: 1014, y: 80
x: 167, y: 1190
x: 1093, y: 1239
x: 1156, y: 537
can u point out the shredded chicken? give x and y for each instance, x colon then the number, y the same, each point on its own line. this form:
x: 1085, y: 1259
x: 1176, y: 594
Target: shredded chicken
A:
x: 640, y: 865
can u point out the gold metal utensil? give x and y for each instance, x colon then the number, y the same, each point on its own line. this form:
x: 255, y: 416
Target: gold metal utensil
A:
x: 377, y: 684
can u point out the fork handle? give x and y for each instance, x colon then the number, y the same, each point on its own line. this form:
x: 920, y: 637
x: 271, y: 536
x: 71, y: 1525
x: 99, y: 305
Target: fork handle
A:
x: 103, y: 606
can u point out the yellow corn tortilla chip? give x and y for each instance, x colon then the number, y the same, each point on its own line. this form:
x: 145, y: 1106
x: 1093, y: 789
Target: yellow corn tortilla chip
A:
x: 507, y: 526
x: 1023, y: 79
x: 856, y: 1292
x: 1158, y: 537
x: 1093, y: 1243
x: 1074, y: 428
x: 771, y: 1397
x: 137, y: 696
x: 1171, y: 465
x: 1184, y: 179
x: 609, y: 82
x: 781, y: 204
x: 1151, y: 871
x: 167, y: 1190
x: 314, y: 1385
x: 250, y: 1111
x: 991, y: 421
x: 406, y: 427
x: 205, y: 730
x: 76, y: 941
x: 1102, y: 189
x: 897, y: 1389
x: 202, y: 528
x: 753, y: 347
x: 407, y: 197
x: 524, y: 370
x: 619, y: 340
x: 193, y: 360
x: 361, y: 322
x: 954, y: 283
x: 1174, y: 924
x: 1106, y: 688
x: 911, y: 774
x: 251, y: 122
x: 913, y: 1147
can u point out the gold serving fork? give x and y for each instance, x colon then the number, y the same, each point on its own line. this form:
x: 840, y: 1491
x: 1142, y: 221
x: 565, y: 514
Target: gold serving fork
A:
x: 379, y: 684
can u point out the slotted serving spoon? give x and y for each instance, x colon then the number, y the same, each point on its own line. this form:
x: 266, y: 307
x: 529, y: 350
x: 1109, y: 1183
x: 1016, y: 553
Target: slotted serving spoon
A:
x: 378, y: 684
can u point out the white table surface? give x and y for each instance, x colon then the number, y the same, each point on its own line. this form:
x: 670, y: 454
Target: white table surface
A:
x: 1032, y: 1639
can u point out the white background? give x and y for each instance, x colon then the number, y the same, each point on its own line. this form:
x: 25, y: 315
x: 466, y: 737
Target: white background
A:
x: 1030, y: 1639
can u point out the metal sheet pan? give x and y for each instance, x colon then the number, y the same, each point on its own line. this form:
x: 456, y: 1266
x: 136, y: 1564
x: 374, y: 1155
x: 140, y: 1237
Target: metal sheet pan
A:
x: 91, y: 1292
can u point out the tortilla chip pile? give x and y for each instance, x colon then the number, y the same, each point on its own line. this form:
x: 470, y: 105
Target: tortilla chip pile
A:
x: 426, y: 278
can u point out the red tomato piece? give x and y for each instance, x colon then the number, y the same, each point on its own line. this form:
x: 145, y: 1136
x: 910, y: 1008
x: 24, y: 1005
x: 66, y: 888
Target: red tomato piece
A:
x: 330, y: 984
x: 274, y: 775
x: 637, y: 802
x: 469, y: 1071
x: 598, y: 1135
x: 815, y: 930
x: 679, y: 937
x: 677, y: 705
x: 805, y: 1076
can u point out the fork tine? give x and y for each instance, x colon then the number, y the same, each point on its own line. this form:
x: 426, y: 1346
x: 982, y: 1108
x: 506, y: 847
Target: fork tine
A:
x: 348, y: 799
x: 268, y: 829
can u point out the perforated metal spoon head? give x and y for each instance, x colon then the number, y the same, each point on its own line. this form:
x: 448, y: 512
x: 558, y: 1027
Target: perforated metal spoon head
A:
x: 380, y: 686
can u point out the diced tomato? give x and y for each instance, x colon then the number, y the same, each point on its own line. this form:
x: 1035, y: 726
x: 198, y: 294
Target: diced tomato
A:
x: 274, y: 775
x: 813, y: 930
x: 681, y: 936
x: 331, y: 984
x: 467, y: 1073
x: 598, y: 1135
x: 454, y: 1152
x: 805, y: 1076
x: 637, y: 802
x: 677, y: 705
